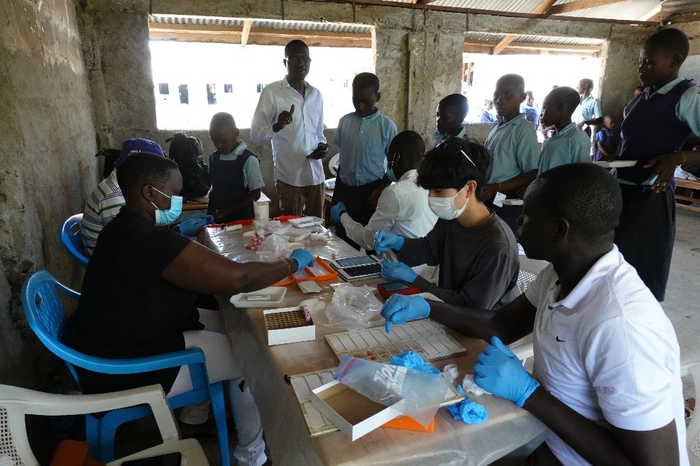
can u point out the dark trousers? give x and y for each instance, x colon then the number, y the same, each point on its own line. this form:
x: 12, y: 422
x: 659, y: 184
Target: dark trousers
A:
x: 355, y: 199
x: 508, y: 213
x: 646, y: 234
x: 542, y: 456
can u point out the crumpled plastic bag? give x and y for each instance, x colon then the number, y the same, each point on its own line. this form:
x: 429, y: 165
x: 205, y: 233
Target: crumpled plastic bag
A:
x: 273, y: 248
x: 413, y: 393
x: 468, y: 411
x: 354, y: 307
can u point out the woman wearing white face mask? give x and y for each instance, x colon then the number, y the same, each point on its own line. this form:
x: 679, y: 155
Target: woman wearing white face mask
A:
x: 138, y: 299
x: 475, y: 249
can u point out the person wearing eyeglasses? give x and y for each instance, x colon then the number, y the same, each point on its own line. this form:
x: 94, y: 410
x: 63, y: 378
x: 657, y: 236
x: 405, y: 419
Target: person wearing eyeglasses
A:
x: 402, y: 208
x: 290, y: 114
x: 476, y: 250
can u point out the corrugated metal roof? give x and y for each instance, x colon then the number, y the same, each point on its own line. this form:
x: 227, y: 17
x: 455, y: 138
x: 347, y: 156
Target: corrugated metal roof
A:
x: 481, y: 36
x: 263, y: 24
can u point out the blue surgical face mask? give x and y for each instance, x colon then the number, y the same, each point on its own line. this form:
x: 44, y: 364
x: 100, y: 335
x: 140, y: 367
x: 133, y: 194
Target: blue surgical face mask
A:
x: 390, y: 175
x: 166, y: 217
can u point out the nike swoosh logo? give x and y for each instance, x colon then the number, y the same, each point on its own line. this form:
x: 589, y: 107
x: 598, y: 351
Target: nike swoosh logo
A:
x: 559, y: 339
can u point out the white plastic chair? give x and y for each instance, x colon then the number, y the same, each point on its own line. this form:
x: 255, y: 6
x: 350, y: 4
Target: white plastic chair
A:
x: 690, y: 365
x: 523, y: 348
x: 16, y: 403
x: 333, y: 163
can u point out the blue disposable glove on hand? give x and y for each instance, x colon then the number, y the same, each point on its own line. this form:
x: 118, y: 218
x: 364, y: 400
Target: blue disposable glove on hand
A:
x: 500, y: 372
x: 400, y: 308
x: 303, y: 258
x: 385, y: 241
x: 398, y: 271
x: 336, y: 211
x: 191, y: 225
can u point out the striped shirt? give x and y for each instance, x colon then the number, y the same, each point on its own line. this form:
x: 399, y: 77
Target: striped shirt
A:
x: 101, y: 207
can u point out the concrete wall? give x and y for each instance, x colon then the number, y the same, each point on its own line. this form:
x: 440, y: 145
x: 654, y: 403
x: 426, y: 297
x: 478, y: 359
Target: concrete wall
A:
x: 47, y: 162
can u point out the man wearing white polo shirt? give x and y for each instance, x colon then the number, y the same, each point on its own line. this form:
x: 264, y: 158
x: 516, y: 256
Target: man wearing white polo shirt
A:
x: 606, y: 378
x: 290, y: 113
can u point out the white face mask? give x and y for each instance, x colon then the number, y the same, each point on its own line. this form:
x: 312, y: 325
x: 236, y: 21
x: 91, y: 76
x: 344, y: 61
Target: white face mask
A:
x: 444, y: 207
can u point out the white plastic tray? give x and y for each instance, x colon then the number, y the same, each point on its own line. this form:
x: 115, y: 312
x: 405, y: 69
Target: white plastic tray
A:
x: 303, y: 222
x: 267, y: 297
x: 617, y: 163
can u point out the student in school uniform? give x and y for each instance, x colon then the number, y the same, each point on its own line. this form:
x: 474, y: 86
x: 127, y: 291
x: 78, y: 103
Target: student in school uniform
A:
x: 588, y: 112
x: 451, y: 112
x: 236, y: 180
x: 568, y: 144
x: 655, y: 126
x: 363, y: 137
x: 607, y: 140
x: 402, y: 208
x: 513, y: 143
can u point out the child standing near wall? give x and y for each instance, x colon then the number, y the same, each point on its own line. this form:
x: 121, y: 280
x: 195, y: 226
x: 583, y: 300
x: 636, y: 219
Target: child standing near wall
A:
x: 236, y: 180
x: 513, y: 143
x: 606, y: 140
x: 363, y: 137
x: 655, y: 126
x: 451, y: 112
x: 568, y: 144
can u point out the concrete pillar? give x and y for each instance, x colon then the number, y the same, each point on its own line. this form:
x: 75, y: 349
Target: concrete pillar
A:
x: 417, y: 65
x: 119, y: 62
x: 619, y: 69
x: 391, y: 62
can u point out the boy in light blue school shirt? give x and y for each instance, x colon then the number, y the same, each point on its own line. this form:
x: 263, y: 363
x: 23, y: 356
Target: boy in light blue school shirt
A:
x: 568, y: 144
x: 363, y: 137
x: 512, y: 141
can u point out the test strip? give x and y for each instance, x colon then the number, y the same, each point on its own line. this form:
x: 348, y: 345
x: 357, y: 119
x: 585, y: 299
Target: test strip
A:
x: 301, y: 388
x: 450, y: 343
x: 380, y: 335
x: 358, y: 340
x: 369, y: 338
x: 438, y: 345
x: 430, y: 349
x: 326, y: 377
x: 313, y: 381
x: 347, y: 342
x: 401, y: 333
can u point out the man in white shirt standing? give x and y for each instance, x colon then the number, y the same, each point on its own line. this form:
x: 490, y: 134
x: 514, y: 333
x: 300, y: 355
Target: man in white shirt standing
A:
x: 290, y: 113
x: 402, y: 208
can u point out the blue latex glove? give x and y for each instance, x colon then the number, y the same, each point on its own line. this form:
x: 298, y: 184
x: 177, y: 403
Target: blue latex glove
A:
x: 336, y: 211
x: 468, y: 411
x: 400, y: 308
x: 398, y: 271
x: 385, y: 241
x: 191, y: 225
x: 303, y: 258
x: 500, y: 372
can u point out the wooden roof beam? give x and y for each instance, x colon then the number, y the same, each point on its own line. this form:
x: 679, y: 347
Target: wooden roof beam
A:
x: 247, y: 25
x: 541, y: 9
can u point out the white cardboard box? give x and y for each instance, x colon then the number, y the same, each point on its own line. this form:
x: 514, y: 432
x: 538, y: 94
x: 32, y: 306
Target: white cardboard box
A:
x: 352, y: 413
x: 288, y: 335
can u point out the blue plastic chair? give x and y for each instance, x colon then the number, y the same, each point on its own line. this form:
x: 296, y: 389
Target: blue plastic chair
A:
x: 46, y: 316
x: 72, y: 238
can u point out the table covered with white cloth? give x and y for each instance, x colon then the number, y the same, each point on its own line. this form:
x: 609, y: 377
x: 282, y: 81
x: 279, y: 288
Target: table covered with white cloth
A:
x: 266, y: 369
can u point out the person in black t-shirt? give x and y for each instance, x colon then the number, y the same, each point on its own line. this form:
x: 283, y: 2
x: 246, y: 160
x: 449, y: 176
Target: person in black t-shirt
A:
x: 138, y: 293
